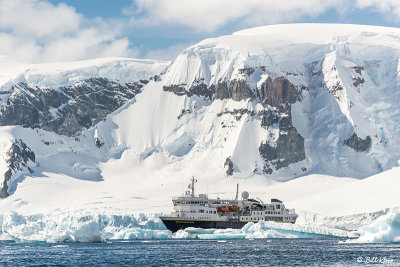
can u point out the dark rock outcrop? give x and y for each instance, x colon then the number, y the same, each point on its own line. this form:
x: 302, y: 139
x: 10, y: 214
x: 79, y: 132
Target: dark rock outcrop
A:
x: 268, y: 118
x: 277, y: 96
x: 199, y: 89
x: 289, y: 147
x: 229, y: 166
x: 66, y: 110
x: 358, y: 69
x: 278, y: 92
x: 358, y: 144
x: 238, y: 113
x: 358, y: 81
x: 236, y: 89
x: 98, y: 143
x: 177, y: 89
x: 248, y: 71
x: 18, y: 157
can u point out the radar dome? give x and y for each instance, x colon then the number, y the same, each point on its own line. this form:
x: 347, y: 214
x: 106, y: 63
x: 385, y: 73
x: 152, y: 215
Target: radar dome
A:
x: 245, y: 195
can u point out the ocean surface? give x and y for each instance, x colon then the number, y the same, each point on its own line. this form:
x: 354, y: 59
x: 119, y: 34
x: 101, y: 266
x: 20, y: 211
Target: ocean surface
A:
x: 178, y: 252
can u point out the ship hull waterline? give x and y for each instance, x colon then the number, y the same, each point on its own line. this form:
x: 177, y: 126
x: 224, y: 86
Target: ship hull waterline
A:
x: 176, y: 224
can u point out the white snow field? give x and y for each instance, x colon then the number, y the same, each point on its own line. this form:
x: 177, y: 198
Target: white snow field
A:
x: 66, y: 73
x: 154, y: 143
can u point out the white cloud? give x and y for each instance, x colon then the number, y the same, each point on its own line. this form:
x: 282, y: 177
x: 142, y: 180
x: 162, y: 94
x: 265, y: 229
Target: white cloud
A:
x: 209, y: 15
x: 391, y: 8
x: 38, y: 31
x: 169, y: 53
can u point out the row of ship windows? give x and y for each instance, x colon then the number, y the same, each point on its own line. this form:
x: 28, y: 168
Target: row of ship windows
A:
x: 203, y: 218
x: 273, y: 212
x: 268, y: 218
x: 253, y: 219
x: 267, y: 212
x: 203, y: 202
x: 207, y: 211
x: 190, y: 202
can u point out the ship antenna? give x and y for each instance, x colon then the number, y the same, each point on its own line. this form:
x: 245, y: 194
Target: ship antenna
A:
x: 237, y: 191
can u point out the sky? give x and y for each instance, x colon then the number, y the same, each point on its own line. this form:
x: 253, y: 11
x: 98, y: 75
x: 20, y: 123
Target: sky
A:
x: 37, y: 31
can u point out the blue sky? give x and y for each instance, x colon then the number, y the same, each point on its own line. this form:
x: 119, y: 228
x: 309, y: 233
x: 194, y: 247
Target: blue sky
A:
x: 80, y: 29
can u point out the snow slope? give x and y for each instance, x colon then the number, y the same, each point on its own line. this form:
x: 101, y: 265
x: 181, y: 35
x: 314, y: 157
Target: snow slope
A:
x: 65, y: 73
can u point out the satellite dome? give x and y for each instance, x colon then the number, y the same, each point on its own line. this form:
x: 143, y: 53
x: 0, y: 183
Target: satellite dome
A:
x: 245, y: 195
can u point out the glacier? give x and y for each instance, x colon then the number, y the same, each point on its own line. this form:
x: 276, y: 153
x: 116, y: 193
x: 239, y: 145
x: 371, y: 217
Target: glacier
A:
x: 87, y: 227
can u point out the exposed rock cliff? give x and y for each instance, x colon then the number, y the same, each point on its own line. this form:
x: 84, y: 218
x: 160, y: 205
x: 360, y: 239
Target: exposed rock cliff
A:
x: 357, y: 143
x: 66, y: 110
x: 19, y: 157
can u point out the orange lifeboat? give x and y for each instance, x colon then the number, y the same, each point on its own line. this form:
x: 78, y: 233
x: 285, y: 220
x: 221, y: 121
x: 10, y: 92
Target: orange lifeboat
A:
x: 223, y: 209
x: 233, y: 208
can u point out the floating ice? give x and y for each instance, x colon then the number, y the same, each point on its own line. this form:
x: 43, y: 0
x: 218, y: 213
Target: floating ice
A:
x: 385, y: 229
x: 138, y: 233
x: 40, y: 228
x: 263, y: 229
x: 80, y: 227
x: 85, y: 227
x: 5, y: 237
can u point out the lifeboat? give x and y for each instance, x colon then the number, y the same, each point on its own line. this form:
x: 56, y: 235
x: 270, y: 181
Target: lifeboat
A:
x: 223, y: 209
x: 233, y: 208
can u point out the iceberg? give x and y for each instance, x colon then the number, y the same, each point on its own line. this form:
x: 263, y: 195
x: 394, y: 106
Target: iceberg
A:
x: 40, y: 228
x: 80, y: 227
x: 385, y: 229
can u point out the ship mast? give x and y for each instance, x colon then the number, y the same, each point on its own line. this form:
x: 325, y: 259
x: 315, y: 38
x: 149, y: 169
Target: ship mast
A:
x: 191, y: 185
x: 237, y: 191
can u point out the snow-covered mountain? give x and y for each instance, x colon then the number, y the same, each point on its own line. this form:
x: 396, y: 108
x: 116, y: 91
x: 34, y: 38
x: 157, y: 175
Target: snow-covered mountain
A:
x: 69, y: 97
x: 262, y: 105
x: 65, y: 98
x: 295, y: 99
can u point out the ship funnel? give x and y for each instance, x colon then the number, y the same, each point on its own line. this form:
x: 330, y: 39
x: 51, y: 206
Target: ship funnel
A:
x: 237, y: 191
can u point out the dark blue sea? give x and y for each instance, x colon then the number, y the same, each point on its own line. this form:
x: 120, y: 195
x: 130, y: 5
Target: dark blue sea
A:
x: 178, y: 252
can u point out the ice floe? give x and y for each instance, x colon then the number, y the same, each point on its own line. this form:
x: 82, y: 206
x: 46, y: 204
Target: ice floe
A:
x: 263, y: 229
x: 385, y: 229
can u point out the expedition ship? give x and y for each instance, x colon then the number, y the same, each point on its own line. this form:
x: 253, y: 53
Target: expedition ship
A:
x: 200, y: 211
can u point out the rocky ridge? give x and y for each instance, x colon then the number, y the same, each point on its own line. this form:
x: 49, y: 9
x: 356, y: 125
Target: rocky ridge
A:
x: 66, y: 110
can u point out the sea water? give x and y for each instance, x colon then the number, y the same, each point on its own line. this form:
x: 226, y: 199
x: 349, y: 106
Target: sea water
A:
x: 189, y: 252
